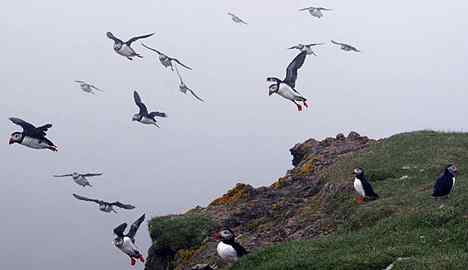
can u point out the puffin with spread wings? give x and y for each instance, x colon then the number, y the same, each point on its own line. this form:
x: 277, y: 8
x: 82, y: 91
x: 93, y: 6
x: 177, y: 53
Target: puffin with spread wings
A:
x: 126, y: 242
x: 143, y: 116
x: 124, y: 48
x: 105, y: 206
x: 32, y: 137
x: 286, y: 88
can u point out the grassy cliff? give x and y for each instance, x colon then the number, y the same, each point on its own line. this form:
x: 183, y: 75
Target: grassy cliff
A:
x: 308, y: 219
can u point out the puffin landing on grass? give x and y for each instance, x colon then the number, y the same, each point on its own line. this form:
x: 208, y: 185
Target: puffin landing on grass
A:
x: 445, y: 183
x: 363, y: 187
x: 228, y: 249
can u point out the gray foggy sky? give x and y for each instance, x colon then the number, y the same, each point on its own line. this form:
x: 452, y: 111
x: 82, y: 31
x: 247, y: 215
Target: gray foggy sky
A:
x: 410, y: 75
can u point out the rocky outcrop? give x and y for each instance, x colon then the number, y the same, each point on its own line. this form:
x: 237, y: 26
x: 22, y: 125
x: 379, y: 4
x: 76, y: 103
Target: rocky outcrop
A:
x: 296, y: 206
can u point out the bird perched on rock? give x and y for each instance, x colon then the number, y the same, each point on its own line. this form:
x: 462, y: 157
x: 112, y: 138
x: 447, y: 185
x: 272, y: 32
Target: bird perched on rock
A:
x: 32, y: 137
x: 124, y: 48
x: 228, y: 249
x: 236, y: 19
x: 315, y: 11
x: 286, y: 87
x: 143, y: 116
x: 88, y: 88
x: 165, y: 60
x: 446, y: 182
x: 306, y: 47
x: 105, y: 206
x: 126, y: 242
x: 345, y: 47
x: 80, y: 178
x: 363, y: 187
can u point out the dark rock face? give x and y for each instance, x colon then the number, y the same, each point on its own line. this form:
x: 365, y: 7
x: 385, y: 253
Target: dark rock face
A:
x: 296, y: 206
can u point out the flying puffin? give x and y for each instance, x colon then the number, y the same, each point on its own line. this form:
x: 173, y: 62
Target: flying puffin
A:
x: 32, y: 137
x: 363, y: 187
x: 228, y: 249
x: 124, y: 48
x: 286, y: 87
x: 236, y: 19
x: 306, y: 47
x: 126, y: 242
x: 315, y: 11
x: 88, y: 88
x: 184, y: 88
x: 106, y: 206
x: 143, y: 116
x: 165, y: 60
x: 79, y: 178
x: 446, y: 182
x: 345, y: 47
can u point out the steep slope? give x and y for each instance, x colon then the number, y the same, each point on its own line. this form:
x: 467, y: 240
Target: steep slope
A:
x: 308, y: 219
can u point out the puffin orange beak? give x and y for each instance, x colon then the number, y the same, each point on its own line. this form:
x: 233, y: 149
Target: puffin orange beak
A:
x: 216, y: 236
x: 11, y: 141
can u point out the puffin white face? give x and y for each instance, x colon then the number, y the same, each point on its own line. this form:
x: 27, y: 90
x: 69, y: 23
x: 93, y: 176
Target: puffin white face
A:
x: 226, y: 235
x: 75, y: 175
x: 452, y: 169
x: 118, y: 242
x: 15, y: 138
x: 136, y: 117
x: 358, y: 171
x: 273, y: 89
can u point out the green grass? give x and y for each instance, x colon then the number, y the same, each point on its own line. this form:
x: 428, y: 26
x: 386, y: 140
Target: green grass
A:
x: 404, y: 222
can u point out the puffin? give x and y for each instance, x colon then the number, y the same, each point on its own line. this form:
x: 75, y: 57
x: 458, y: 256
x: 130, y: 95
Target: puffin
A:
x: 126, y: 242
x: 105, y: 206
x: 80, y: 178
x: 345, y: 47
x: 88, y: 88
x: 228, y: 249
x: 165, y: 60
x: 124, y: 48
x: 32, y: 137
x: 315, y: 11
x: 286, y: 87
x: 184, y: 88
x: 143, y: 116
x: 236, y: 19
x: 446, y: 182
x: 306, y: 47
x: 363, y: 187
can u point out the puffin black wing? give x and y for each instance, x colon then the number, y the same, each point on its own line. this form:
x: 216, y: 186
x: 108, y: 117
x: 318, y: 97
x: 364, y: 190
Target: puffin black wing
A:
x: 91, y: 174
x: 443, y: 186
x: 368, y: 190
x: 124, y: 206
x: 154, y: 50
x: 337, y: 43
x: 134, y: 228
x: 30, y: 129
x: 85, y: 199
x: 158, y: 114
x: 240, y: 250
x: 140, y: 104
x: 119, y: 230
x: 180, y: 63
x: 137, y: 38
x: 293, y: 67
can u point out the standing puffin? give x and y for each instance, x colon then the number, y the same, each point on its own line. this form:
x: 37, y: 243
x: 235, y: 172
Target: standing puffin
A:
x: 143, y: 116
x: 228, y: 249
x: 123, y: 48
x: 105, y: 206
x: 446, y: 182
x: 80, y: 178
x: 126, y: 242
x: 165, y: 60
x: 32, y: 137
x: 286, y: 87
x: 363, y: 187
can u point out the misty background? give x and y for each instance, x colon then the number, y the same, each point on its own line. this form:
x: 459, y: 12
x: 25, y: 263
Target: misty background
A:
x: 410, y: 75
